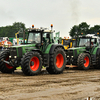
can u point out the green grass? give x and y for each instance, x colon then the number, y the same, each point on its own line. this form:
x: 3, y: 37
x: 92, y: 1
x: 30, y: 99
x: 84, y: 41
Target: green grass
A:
x: 18, y: 67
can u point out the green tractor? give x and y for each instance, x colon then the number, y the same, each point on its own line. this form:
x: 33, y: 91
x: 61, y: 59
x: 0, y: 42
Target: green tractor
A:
x: 40, y: 50
x: 85, y: 52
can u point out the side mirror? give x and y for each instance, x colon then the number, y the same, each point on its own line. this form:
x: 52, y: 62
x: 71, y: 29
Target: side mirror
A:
x: 95, y: 40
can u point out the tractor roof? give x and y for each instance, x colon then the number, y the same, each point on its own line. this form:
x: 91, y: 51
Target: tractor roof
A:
x: 41, y: 29
x: 89, y: 36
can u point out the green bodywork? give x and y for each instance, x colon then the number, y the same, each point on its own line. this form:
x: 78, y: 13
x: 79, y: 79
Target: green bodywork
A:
x: 48, y: 48
x: 25, y: 48
x: 88, y: 45
x: 83, y: 49
x: 44, y: 49
x: 30, y: 47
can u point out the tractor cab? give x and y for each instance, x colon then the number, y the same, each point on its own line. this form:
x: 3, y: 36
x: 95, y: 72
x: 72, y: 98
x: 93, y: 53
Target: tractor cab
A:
x: 88, y: 42
x: 68, y: 43
x: 40, y: 36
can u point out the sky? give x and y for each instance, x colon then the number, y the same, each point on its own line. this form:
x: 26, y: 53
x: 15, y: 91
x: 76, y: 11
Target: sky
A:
x: 63, y: 14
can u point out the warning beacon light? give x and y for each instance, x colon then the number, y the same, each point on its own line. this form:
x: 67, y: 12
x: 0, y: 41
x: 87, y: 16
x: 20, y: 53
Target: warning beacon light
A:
x: 51, y: 26
x: 98, y: 33
x: 32, y: 26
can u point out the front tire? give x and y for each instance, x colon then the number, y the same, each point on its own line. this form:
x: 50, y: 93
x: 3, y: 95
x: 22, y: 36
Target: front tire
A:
x: 84, y: 61
x: 31, y: 63
x: 57, y: 62
x: 5, y: 68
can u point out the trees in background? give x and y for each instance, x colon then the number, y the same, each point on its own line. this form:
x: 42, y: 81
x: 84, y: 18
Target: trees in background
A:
x: 85, y: 29
x: 9, y: 31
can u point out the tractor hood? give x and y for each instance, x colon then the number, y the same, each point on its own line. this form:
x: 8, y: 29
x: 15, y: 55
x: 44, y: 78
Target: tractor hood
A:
x: 75, y: 51
x: 77, y: 48
x: 27, y: 45
x: 22, y: 49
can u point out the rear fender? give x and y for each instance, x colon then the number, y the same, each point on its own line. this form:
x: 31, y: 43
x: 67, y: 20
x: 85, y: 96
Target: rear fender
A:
x: 37, y: 50
x: 54, y: 46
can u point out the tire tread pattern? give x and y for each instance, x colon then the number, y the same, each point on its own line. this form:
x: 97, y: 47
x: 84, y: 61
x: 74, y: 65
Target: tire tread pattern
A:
x: 52, y: 69
x: 3, y: 67
x: 25, y: 63
x: 80, y: 61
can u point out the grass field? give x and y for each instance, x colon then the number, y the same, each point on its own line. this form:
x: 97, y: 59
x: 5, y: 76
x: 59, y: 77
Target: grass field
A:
x: 19, y: 67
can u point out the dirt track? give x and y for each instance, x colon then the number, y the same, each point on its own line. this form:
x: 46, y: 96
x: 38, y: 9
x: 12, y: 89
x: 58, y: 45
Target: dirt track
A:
x: 71, y: 85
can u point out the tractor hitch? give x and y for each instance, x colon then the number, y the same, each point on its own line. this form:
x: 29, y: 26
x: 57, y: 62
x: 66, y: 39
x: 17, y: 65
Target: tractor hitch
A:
x: 9, y: 63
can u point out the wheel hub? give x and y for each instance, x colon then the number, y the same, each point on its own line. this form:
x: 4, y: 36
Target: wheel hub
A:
x: 86, y: 61
x: 59, y: 60
x: 34, y: 63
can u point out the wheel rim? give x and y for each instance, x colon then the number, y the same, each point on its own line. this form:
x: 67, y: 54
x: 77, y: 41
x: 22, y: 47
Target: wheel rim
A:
x: 8, y: 66
x: 86, y: 59
x: 59, y: 60
x: 34, y: 63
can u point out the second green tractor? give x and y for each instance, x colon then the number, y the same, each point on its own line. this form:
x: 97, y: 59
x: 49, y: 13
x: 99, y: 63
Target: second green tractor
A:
x: 85, y: 52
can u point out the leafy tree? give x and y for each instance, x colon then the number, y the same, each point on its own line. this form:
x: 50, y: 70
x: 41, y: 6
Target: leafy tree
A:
x: 74, y: 31
x: 84, y: 28
x: 18, y: 26
x: 9, y: 31
x: 95, y: 30
x: 78, y: 29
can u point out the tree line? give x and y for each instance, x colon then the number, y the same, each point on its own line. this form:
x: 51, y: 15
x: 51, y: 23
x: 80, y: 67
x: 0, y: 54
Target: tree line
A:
x: 9, y: 31
x: 84, y: 28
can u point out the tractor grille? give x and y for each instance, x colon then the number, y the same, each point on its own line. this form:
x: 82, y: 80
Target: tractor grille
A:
x: 20, y: 51
x: 70, y: 52
x: 75, y: 53
x: 13, y: 52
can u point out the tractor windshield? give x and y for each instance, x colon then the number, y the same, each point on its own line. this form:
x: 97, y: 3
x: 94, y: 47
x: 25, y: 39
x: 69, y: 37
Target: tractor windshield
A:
x: 84, y: 42
x: 34, y: 38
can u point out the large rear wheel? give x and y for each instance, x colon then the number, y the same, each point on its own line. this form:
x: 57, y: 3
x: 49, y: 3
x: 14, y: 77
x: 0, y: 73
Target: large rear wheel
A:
x: 57, y: 62
x: 31, y: 63
x: 84, y: 61
x: 4, y: 67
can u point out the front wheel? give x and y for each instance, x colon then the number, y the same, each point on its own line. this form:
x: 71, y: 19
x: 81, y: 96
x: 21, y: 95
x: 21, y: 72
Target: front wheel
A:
x: 31, y: 63
x: 4, y: 67
x: 84, y: 61
x: 57, y: 62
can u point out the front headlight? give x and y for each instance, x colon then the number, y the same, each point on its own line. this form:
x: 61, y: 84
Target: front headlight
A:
x: 15, y: 57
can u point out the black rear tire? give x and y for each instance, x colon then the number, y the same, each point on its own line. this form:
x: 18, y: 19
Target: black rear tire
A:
x: 31, y: 63
x: 5, y: 68
x: 84, y: 61
x: 57, y: 62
